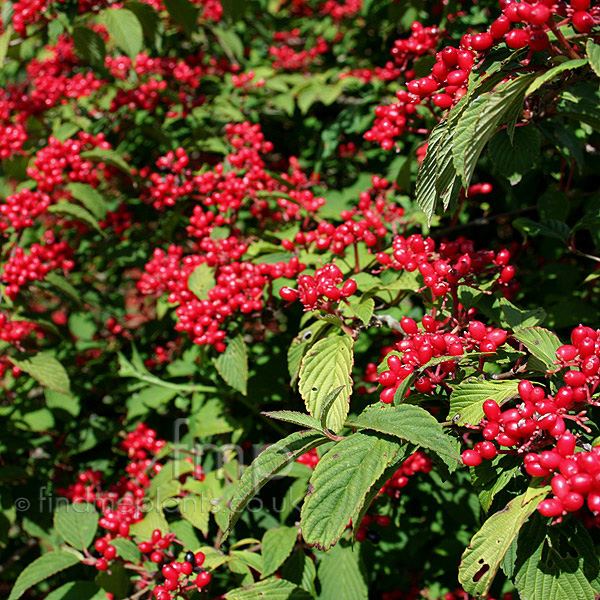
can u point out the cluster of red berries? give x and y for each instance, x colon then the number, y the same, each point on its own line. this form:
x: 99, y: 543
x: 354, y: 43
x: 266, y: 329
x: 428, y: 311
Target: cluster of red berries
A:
x: 12, y: 138
x: 455, y: 263
x: 310, y: 458
x: 60, y: 163
x: 418, y: 348
x: 22, y: 208
x: 418, y: 462
x: 287, y: 58
x: 322, y: 290
x: 447, y: 82
x: 178, y: 576
x: 22, y: 268
x: 341, y: 10
x: 239, y: 288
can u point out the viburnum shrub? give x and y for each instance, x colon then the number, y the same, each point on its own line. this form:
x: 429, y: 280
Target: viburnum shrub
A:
x: 299, y: 300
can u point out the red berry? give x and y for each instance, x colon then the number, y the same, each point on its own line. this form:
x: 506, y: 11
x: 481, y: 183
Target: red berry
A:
x: 482, y: 41
x: 471, y: 458
x: 156, y: 557
x: 202, y: 579
x: 550, y: 508
x: 101, y: 564
x: 582, y: 21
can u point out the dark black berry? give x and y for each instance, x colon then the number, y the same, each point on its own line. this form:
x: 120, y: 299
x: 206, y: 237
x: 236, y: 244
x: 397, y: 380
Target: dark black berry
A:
x: 373, y: 536
x: 189, y: 557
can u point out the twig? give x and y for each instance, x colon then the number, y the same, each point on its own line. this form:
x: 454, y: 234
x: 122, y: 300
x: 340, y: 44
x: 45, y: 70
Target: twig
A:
x: 388, y: 321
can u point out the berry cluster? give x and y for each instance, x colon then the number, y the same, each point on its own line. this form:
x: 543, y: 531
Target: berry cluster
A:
x: 322, y: 290
x: 285, y: 57
x: 22, y: 268
x: 455, y: 263
x: 178, y: 577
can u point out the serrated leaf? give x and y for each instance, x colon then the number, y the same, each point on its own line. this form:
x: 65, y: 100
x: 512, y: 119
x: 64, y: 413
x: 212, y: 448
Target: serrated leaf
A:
x: 342, y: 574
x: 269, y: 589
x: 277, y: 545
x: 41, y: 568
x: 77, y: 590
x: 481, y: 119
x: 89, y: 45
x: 77, y: 212
x: 488, y: 546
x: 183, y: 13
x: 268, y: 463
x: 196, y: 510
x: 230, y: 41
x: 542, y: 344
x: 77, y: 524
x: 297, y: 418
x: 325, y: 367
x: 127, y: 550
x: 232, y: 365
x: 201, y: 280
x: 467, y: 398
x: 300, y: 344
x: 363, y: 308
x: 90, y: 197
x: 124, y: 27
x: 46, y: 370
x: 550, y: 74
x: 412, y: 424
x: 328, y: 404
x: 63, y: 285
x: 340, y: 483
x: 147, y: 17
x: 514, y: 160
x: 556, y: 563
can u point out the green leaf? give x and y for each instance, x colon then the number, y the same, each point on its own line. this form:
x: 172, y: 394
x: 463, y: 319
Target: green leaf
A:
x: 65, y: 402
x: 196, y: 510
x: 232, y: 365
x: 363, y: 308
x: 77, y: 524
x: 325, y: 367
x: 127, y: 550
x: 211, y: 419
x: 518, y: 319
x: 153, y: 519
x: 556, y: 563
x: 300, y: 345
x: 467, y: 398
x: 89, y: 45
x: 277, y: 545
x: 45, y: 369
x: 593, y: 52
x: 481, y: 119
x: 77, y: 212
x: 490, y: 477
x: 91, y: 198
x: 297, y: 418
x: 488, y: 546
x: 549, y: 228
x: 342, y: 574
x: 230, y: 41
x: 269, y: 589
x: 412, y: 424
x: 340, y: 483
x: 41, y: 568
x: 124, y: 27
x: 183, y: 13
x: 4, y: 42
x: 542, y: 344
x: 61, y: 284
x: 300, y: 569
x: 327, y: 405
x: 110, y: 157
x: 77, y: 590
x: 201, y: 280
x: 547, y: 76
x: 147, y: 17
x: 268, y: 463
x: 514, y: 160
